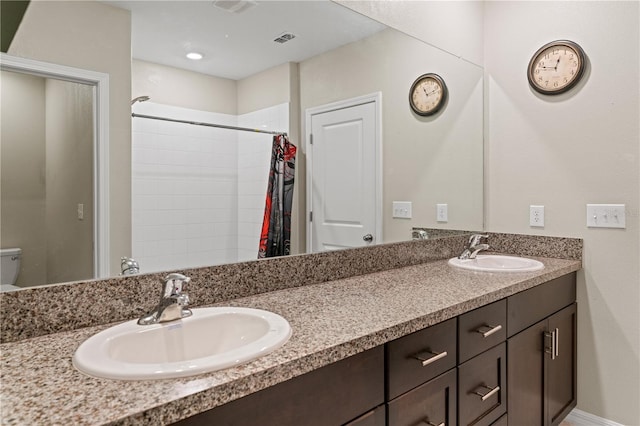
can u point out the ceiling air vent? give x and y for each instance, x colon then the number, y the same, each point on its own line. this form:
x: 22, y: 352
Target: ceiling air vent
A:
x: 234, y: 6
x: 284, y: 37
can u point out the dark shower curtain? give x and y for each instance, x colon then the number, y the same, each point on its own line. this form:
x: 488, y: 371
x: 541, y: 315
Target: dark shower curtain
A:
x: 275, y: 237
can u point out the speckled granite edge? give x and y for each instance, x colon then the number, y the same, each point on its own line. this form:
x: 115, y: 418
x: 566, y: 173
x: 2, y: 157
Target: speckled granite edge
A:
x: 63, y: 307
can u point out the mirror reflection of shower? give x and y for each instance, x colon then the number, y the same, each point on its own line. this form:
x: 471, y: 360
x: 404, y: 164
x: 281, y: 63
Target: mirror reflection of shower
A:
x: 198, y: 193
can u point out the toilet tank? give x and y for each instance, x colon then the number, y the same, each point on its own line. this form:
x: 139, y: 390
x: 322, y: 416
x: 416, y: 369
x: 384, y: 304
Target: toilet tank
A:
x: 10, y: 265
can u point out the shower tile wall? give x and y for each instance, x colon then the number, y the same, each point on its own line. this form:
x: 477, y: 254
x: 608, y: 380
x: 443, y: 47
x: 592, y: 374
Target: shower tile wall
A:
x: 185, y: 187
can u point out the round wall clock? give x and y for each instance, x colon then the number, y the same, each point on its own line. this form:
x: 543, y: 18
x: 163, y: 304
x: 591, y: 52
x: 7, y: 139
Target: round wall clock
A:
x: 556, y: 67
x: 427, y: 94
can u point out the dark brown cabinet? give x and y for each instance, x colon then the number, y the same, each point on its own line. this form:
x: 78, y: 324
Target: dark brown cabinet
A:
x: 510, y: 362
x: 541, y: 376
x: 561, y: 372
x: 482, y: 369
x: 433, y: 403
x: 482, y: 388
x: 418, y: 357
x: 336, y: 394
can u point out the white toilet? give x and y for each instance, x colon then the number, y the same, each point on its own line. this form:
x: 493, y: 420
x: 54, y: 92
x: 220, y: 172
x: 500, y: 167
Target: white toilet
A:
x: 9, y: 268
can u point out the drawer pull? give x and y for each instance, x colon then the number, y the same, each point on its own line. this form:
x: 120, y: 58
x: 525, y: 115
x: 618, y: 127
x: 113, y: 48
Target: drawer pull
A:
x: 426, y: 359
x: 427, y: 422
x: 486, y: 395
x: 487, y: 330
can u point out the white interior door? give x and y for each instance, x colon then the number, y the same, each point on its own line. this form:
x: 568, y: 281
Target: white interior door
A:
x: 344, y: 178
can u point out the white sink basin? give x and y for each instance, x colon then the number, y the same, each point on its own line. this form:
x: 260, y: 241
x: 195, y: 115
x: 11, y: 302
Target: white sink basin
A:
x: 211, y: 339
x: 497, y: 263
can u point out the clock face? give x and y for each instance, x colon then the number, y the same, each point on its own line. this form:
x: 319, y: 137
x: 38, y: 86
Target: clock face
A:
x: 556, y: 67
x: 427, y: 94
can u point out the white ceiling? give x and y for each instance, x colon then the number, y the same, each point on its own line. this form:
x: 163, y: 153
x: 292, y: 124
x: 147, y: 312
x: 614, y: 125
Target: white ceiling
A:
x: 237, y: 45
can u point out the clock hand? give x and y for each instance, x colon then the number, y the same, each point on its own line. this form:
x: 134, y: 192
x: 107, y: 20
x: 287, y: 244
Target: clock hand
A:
x: 556, y: 67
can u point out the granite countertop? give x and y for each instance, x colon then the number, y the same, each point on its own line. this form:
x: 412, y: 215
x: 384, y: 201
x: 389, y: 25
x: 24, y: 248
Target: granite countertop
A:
x: 330, y: 321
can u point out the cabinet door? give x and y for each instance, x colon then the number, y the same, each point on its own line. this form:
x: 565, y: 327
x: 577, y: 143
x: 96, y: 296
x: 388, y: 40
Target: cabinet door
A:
x: 542, y: 371
x: 331, y: 395
x: 433, y: 403
x: 561, y: 367
x: 482, y: 388
x: 525, y: 376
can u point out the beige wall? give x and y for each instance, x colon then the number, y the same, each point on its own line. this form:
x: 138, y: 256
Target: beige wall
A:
x: 426, y: 160
x: 22, y: 185
x: 264, y: 89
x: 182, y: 88
x: 69, y: 177
x: 96, y: 37
x: 564, y: 152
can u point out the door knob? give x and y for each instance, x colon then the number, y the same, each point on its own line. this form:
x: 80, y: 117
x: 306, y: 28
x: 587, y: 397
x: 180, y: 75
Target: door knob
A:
x: 368, y: 238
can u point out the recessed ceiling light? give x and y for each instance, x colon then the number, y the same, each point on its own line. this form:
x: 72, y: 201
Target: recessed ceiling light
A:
x: 195, y: 56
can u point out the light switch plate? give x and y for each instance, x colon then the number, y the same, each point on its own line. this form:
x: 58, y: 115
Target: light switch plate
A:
x: 606, y: 216
x: 402, y: 209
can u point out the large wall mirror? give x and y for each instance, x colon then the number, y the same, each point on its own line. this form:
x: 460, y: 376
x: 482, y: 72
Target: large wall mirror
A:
x: 195, y: 195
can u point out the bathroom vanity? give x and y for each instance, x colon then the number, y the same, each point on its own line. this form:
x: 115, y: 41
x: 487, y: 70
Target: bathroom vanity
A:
x: 357, y: 350
x: 510, y: 362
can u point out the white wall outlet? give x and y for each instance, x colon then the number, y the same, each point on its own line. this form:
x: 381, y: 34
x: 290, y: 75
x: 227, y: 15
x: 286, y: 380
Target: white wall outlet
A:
x: 606, y: 216
x: 402, y: 209
x: 442, y: 214
x: 536, y: 216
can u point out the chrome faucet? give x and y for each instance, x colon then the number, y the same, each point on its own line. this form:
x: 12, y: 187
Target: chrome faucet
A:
x: 128, y: 266
x: 419, y: 234
x: 475, y: 246
x: 173, y: 301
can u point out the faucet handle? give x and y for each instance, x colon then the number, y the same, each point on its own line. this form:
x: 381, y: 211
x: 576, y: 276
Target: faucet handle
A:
x: 173, y: 284
x: 128, y: 266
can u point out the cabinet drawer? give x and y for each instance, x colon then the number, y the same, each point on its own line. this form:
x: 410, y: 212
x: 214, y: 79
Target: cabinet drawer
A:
x: 482, y: 388
x: 433, y: 402
x: 481, y: 329
x: 419, y: 357
x: 530, y: 306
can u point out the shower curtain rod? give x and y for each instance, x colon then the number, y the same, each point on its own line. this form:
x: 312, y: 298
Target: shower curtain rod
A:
x: 197, y: 123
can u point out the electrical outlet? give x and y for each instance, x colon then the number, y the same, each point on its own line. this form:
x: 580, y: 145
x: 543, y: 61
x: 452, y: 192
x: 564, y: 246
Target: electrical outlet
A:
x: 606, y: 216
x: 402, y: 209
x: 442, y: 214
x: 536, y: 216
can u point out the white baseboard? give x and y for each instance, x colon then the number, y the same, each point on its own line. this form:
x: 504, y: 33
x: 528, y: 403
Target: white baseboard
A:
x: 582, y: 418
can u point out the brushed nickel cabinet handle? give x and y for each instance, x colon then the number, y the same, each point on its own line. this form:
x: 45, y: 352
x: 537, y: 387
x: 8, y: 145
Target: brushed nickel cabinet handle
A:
x: 557, y: 342
x: 488, y: 330
x: 426, y: 359
x: 553, y: 350
x: 486, y: 395
x: 426, y: 421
